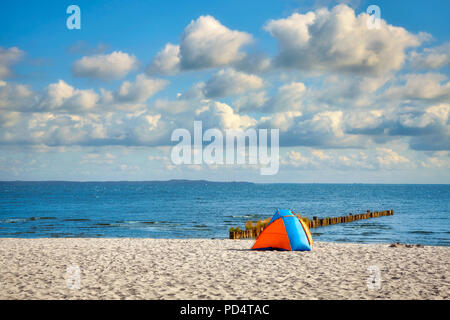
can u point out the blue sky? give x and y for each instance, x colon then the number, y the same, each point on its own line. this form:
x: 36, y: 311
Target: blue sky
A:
x: 352, y: 104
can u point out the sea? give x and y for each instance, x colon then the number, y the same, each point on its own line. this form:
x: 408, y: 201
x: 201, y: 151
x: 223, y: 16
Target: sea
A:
x: 203, y: 209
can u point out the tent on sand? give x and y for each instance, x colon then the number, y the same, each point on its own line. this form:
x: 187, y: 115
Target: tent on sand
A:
x: 285, y: 231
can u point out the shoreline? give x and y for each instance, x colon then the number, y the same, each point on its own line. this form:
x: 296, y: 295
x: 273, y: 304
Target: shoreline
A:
x: 386, y: 243
x: 200, y: 269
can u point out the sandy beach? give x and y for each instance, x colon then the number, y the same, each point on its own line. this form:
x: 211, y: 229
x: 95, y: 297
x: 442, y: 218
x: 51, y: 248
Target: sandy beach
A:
x: 217, y: 269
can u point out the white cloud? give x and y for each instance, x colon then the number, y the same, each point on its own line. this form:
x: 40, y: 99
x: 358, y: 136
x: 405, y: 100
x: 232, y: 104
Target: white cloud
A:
x: 349, y: 91
x: 8, y: 57
x: 221, y: 115
x: 289, y: 97
x: 9, y: 118
x: 380, y: 158
x: 284, y: 121
x: 115, y: 65
x: 435, y: 116
x: 296, y: 159
x: 167, y: 61
x: 324, y: 129
x: 140, y: 90
x: 17, y: 97
x: 252, y: 101
x: 428, y: 86
x: 253, y: 63
x: 388, y: 158
x: 337, y: 40
x: 440, y: 160
x: 62, y: 96
x: 431, y: 58
x: 205, y: 43
x: 230, y: 82
x: 64, y: 129
x: 427, y: 129
x: 97, y: 158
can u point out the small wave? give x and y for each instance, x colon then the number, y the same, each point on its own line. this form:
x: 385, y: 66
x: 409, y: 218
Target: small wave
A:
x: 12, y: 220
x: 17, y: 220
x: 368, y: 226
x: 76, y: 219
x: 17, y: 233
x: 41, y: 218
x: 369, y: 233
x: 140, y: 222
x: 342, y: 240
x: 200, y: 226
x: 421, y: 232
x: 257, y: 216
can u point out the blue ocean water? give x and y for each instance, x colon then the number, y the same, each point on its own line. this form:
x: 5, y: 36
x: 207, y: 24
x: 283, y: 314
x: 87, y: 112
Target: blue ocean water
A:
x: 200, y: 209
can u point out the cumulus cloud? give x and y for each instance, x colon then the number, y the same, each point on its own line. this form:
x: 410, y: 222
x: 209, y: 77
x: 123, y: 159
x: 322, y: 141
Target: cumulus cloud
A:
x: 205, y: 43
x: 115, y: 65
x: 17, y: 97
x: 254, y: 63
x: 337, y: 40
x: 349, y: 91
x: 220, y: 115
x: 8, y: 57
x: 432, y: 120
x: 167, y: 61
x: 140, y: 89
x: 439, y: 159
x: 368, y: 122
x: 196, y: 92
x: 427, y: 130
x: 428, y: 86
x: 250, y: 102
x: 289, y: 97
x: 88, y: 129
x: 323, y: 129
x: 230, y: 82
x: 388, y: 158
x: 383, y: 158
x: 9, y: 118
x: 62, y: 96
x: 431, y: 58
x: 313, y: 159
x: 284, y: 121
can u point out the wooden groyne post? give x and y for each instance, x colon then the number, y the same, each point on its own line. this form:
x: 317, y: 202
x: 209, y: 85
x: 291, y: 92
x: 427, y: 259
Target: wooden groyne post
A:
x: 253, y: 232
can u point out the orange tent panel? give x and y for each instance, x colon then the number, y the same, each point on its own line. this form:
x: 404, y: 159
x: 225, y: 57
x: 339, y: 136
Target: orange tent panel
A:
x: 273, y: 236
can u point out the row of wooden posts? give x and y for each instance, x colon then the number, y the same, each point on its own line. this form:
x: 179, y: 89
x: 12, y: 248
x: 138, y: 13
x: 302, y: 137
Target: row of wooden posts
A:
x: 315, y: 222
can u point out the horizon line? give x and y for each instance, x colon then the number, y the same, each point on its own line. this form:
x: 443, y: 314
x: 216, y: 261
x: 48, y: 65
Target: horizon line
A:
x: 212, y: 181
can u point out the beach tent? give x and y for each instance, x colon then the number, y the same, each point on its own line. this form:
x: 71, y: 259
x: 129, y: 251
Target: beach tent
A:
x: 285, y: 231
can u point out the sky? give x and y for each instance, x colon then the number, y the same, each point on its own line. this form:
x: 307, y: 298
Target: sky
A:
x: 353, y: 103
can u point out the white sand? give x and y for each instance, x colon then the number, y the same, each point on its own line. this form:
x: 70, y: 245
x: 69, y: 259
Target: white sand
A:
x: 217, y: 269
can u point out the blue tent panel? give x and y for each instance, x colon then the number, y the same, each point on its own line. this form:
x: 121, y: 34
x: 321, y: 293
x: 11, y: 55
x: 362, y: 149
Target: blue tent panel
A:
x: 297, y: 236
